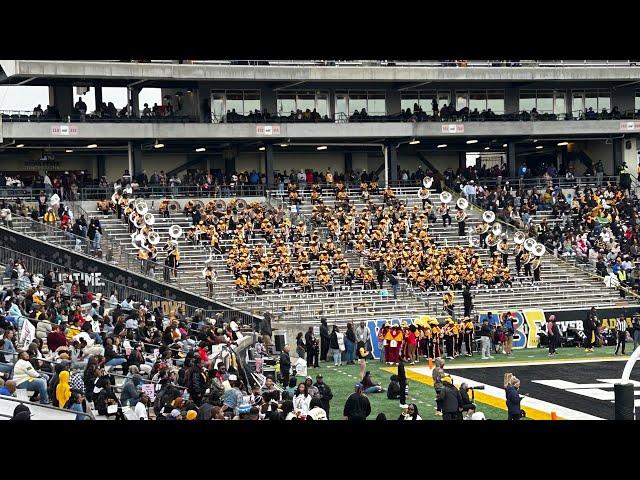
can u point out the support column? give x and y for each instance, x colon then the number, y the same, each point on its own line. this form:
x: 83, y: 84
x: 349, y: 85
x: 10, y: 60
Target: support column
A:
x: 134, y: 151
x: 511, y: 160
x: 269, y: 101
x: 390, y: 164
x: 134, y: 105
x: 348, y: 162
x: 97, y: 93
x: 462, y: 161
x: 101, y: 165
x: 268, y: 164
x: 618, y: 152
x: 62, y: 98
x: 392, y: 101
x: 511, y: 100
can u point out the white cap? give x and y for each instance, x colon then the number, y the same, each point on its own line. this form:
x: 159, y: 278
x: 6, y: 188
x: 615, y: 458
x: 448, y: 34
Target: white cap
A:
x: 478, y: 416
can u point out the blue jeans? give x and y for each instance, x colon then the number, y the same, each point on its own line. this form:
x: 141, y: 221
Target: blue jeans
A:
x: 337, y: 357
x: 6, y: 368
x: 395, y: 287
x: 373, y: 389
x: 116, y: 361
x: 349, y: 350
x: 36, y: 385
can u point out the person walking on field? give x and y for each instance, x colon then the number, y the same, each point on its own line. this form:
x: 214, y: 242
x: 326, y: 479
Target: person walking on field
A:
x: 357, y: 406
x: 621, y: 330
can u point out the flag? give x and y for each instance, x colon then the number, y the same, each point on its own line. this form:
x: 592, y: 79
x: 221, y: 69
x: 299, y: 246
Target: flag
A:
x: 27, y: 333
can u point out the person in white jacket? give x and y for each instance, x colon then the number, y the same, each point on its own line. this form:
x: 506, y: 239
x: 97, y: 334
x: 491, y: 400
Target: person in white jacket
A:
x: 28, y: 379
x: 302, y: 400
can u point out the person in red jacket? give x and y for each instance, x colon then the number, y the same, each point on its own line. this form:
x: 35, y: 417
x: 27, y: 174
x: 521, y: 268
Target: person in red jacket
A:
x: 411, y: 342
x: 56, y: 338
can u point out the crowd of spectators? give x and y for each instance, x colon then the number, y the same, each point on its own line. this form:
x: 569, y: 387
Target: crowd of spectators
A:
x: 597, y: 226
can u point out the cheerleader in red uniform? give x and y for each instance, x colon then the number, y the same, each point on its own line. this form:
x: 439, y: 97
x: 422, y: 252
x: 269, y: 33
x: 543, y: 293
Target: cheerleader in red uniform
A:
x: 383, y: 342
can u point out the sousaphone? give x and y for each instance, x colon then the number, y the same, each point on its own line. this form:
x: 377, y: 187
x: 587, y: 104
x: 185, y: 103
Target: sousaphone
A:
x: 530, y: 244
x: 462, y: 203
x: 446, y: 197
x: 489, y: 216
x: 141, y: 207
x: 427, y: 182
x: 519, y: 237
x: 54, y: 201
x: 538, y: 250
x: 220, y: 205
x: 496, y: 229
x: 138, y: 222
x: 241, y: 204
x: 175, y: 231
x: 153, y: 238
x: 149, y: 219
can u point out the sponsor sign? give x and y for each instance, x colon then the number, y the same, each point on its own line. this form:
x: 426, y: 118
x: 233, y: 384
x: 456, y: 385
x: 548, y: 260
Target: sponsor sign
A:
x: 629, y: 126
x: 453, y: 128
x: 64, y: 130
x: 268, y: 129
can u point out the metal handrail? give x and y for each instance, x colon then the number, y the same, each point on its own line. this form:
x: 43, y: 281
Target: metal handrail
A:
x: 50, y: 407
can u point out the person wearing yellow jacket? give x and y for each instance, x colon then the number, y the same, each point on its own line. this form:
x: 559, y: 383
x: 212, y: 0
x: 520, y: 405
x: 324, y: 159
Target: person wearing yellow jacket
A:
x: 396, y: 344
x: 63, y: 391
x: 468, y: 335
x: 50, y: 217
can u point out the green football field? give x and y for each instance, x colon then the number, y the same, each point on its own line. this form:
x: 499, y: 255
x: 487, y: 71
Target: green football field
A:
x: 342, y: 380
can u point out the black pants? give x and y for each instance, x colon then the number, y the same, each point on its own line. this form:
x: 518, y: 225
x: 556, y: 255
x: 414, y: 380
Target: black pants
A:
x: 312, y: 358
x: 552, y: 344
x: 461, y: 228
x: 324, y: 349
x: 446, y: 218
x: 536, y: 274
x: 467, y: 343
x: 588, y: 342
x: 505, y: 259
x: 518, y: 264
x: 515, y: 416
x: 459, y: 340
x: 527, y: 269
x: 467, y: 309
x: 622, y: 339
x: 452, y: 416
x: 448, y: 341
x: 403, y: 393
x: 285, y: 379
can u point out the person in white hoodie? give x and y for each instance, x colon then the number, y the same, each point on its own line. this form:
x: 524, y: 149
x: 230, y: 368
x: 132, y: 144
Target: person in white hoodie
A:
x: 27, y: 378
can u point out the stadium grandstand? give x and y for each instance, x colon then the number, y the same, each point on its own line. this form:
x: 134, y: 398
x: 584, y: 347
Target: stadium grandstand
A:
x: 234, y: 237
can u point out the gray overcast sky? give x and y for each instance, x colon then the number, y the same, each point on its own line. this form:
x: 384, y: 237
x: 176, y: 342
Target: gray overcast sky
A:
x: 26, y: 97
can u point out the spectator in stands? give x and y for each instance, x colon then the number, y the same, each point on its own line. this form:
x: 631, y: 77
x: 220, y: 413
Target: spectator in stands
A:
x: 26, y: 377
x: 38, y: 111
x: 146, y: 111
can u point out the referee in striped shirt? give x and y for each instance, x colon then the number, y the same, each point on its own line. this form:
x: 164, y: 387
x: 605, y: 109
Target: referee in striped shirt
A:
x: 621, y: 329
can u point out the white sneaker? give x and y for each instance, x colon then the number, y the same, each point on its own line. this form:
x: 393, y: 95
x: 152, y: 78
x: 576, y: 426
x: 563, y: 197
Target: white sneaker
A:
x: 403, y: 405
x: 485, y: 358
x: 491, y: 358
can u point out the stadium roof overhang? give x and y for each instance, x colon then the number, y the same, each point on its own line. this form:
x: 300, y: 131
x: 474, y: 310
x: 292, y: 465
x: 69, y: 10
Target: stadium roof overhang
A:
x: 487, y: 145
x: 47, y: 72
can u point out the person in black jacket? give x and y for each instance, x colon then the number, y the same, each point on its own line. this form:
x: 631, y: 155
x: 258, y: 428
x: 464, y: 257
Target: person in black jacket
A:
x: 325, y: 393
x: 468, y: 304
x: 467, y: 403
x: 325, y: 340
x: 285, y: 366
x: 451, y: 400
x: 350, y: 344
x: 197, y: 381
x: 357, y: 406
x: 402, y: 382
x: 313, y: 349
x: 590, y: 329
